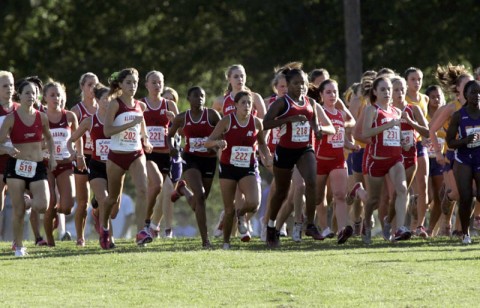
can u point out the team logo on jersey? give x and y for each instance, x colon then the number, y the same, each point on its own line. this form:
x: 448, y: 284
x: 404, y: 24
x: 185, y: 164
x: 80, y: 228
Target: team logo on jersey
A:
x: 202, y: 122
x: 29, y: 135
x: 249, y: 133
x: 162, y: 112
x: 96, y: 125
x: 188, y: 123
x: 61, y: 123
x: 234, y: 127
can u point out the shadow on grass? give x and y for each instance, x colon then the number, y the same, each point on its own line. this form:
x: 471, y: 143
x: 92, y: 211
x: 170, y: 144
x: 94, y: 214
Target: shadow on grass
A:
x: 354, y: 246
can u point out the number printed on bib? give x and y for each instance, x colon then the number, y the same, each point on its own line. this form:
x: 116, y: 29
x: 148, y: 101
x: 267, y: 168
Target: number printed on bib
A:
x: 301, y: 131
x: 102, y: 147
x: 25, y: 168
x: 275, y: 135
x: 240, y: 156
x: 407, y: 136
x: 391, y: 137
x: 337, y: 140
x: 88, y: 141
x: 471, y: 131
x: 431, y: 149
x: 157, y: 136
x: 197, y: 144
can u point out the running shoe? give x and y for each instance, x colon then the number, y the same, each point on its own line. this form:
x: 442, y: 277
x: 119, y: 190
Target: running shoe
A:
x: 226, y: 246
x: 66, y: 237
x: 219, y: 227
x: 366, y: 235
x: 81, y: 242
x: 176, y: 194
x: 21, y: 252
x: 112, y: 245
x: 168, y: 233
x: 353, y: 193
x: 387, y: 229
x: 206, y: 245
x: 457, y: 233
x: 402, y: 234
x: 273, y: 240
x: 327, y: 233
x: 297, y: 232
x: 476, y: 223
x: 421, y: 232
x: 283, y: 230
x: 40, y: 242
x: 105, y: 239
x: 466, y: 239
x: 242, y: 224
x: 245, y: 237
x: 344, y: 234
x: 143, y: 237
x: 154, y: 232
x: 312, y: 231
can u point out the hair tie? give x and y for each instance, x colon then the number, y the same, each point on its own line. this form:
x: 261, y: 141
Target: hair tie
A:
x: 113, y: 77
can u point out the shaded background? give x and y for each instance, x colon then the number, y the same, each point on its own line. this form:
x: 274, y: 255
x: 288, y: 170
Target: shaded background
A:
x: 193, y: 41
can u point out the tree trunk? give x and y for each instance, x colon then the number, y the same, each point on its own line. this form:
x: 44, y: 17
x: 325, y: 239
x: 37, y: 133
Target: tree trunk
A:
x: 353, y: 46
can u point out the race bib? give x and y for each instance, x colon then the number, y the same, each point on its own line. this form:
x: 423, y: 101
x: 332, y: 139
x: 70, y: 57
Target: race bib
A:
x: 88, y: 141
x: 337, y: 140
x: 241, y: 156
x: 391, y: 137
x: 471, y: 131
x: 25, y: 168
x: 301, y: 131
x: 156, y: 135
x: 275, y: 135
x: 102, y: 147
x: 431, y: 149
x: 197, y: 144
x: 407, y: 136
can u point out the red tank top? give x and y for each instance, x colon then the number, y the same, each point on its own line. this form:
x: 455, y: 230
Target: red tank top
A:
x: 409, y: 135
x: 332, y: 145
x: 387, y: 143
x: 157, y: 124
x: 296, y: 135
x: 87, y: 142
x: 128, y: 140
x: 61, y: 132
x: 241, y: 143
x: 229, y: 105
x: 196, y: 133
x: 274, y: 136
x: 22, y: 133
x: 101, y: 143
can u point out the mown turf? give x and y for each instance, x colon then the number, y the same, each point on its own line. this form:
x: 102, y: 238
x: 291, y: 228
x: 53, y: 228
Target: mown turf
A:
x: 434, y: 273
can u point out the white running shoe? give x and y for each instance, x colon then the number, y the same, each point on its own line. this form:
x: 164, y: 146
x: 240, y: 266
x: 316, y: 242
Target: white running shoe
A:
x: 327, y: 233
x: 21, y: 252
x: 297, y: 232
x: 283, y: 230
x: 466, y: 239
x: 226, y: 246
x: 242, y: 224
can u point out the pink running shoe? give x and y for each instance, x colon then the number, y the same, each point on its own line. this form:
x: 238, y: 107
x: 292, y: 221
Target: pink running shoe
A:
x: 176, y: 194
x: 105, y: 239
x: 80, y: 242
x: 41, y: 242
x: 353, y: 193
x: 312, y: 231
x: 144, y: 237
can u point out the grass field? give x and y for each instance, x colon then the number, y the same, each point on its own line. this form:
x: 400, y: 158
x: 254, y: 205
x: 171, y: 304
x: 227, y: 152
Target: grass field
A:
x: 435, y: 273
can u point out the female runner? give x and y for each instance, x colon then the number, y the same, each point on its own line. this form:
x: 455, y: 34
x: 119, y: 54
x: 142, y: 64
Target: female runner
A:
x: 125, y: 125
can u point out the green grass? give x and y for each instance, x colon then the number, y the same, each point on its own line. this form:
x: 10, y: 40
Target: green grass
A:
x: 434, y: 273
